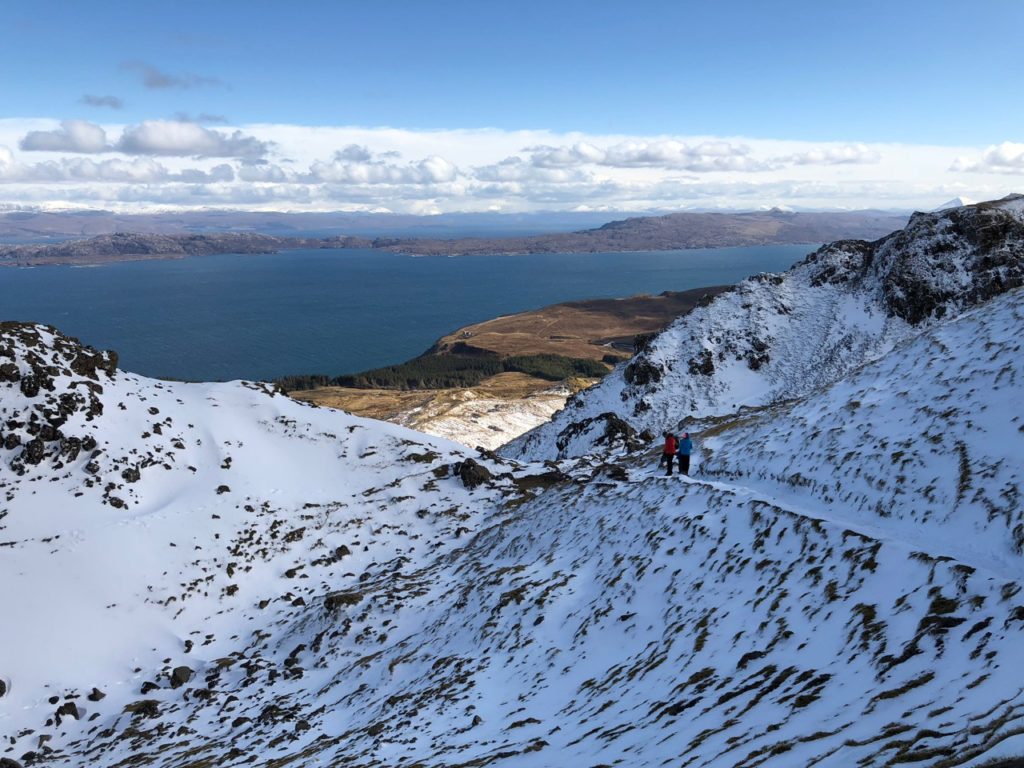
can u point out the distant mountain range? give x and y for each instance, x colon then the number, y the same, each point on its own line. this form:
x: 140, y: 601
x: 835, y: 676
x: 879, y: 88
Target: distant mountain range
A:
x: 648, y: 233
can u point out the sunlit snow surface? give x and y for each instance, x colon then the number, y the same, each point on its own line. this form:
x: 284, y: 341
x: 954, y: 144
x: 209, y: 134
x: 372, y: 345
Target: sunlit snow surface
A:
x: 838, y: 585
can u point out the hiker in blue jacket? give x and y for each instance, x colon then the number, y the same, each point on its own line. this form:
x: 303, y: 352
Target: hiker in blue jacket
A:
x: 684, y: 451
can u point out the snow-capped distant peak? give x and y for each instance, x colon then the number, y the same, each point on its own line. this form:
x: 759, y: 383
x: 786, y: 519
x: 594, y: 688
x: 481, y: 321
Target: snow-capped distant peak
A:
x: 956, y: 202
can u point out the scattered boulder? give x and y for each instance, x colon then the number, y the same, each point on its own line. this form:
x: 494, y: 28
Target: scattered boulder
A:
x: 96, y: 695
x: 9, y: 372
x: 68, y: 709
x: 30, y: 386
x: 542, y: 480
x: 471, y: 473
x: 180, y: 676
x: 337, y: 600
x: 223, y: 489
x: 34, y: 451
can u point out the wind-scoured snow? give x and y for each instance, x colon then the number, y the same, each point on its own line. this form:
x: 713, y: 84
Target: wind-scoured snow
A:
x: 214, y: 575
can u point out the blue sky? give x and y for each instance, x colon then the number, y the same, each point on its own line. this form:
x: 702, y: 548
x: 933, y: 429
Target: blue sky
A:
x: 853, y: 74
x: 854, y: 71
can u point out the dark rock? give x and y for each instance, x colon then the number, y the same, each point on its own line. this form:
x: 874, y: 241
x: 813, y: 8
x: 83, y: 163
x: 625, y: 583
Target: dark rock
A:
x: 6, y: 762
x: 34, y: 451
x: 3, y: 689
x: 70, y: 447
x: 342, y: 551
x: 471, y: 473
x: 96, y: 695
x: 89, y: 443
x: 223, y: 489
x: 68, y: 709
x: 703, y: 365
x: 642, y: 371
x: 48, y: 433
x: 642, y: 342
x: 614, y: 472
x: 9, y: 372
x: 337, y: 600
x: 11, y: 441
x: 616, y: 431
x: 144, y: 708
x: 542, y: 480
x: 148, y: 686
x: 131, y: 475
x: 180, y: 676
x: 30, y: 385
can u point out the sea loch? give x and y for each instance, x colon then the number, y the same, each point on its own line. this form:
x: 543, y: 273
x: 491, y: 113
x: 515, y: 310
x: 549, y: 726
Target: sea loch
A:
x: 264, y: 316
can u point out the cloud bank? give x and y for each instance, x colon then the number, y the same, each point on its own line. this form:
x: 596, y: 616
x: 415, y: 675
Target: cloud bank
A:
x: 182, y: 163
x: 1007, y: 157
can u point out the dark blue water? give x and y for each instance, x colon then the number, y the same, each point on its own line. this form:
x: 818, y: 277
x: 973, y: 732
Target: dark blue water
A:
x: 264, y: 316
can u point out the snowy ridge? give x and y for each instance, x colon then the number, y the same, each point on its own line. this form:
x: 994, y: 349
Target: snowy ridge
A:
x: 776, y: 337
x: 935, y: 453
x: 258, y: 582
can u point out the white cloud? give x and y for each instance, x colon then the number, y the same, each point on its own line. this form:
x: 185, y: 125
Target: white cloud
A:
x: 836, y: 155
x: 517, y: 169
x: 180, y: 139
x: 355, y: 164
x: 170, y: 164
x: 579, y: 153
x: 72, y: 136
x: 1007, y: 157
x: 115, y: 170
x: 663, y: 153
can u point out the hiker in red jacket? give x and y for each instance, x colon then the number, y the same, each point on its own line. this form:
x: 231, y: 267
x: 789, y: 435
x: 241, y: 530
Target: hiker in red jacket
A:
x: 668, y: 453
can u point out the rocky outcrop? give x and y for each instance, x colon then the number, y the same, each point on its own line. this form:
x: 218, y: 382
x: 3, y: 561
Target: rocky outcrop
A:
x: 939, y: 264
x: 778, y: 337
x: 40, y: 419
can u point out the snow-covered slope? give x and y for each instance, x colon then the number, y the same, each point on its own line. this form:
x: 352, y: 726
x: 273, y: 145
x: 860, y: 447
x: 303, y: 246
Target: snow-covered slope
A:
x: 776, y: 337
x: 290, y: 586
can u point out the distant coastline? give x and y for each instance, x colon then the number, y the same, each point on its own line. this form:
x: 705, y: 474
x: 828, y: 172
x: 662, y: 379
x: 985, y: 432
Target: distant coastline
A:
x: 677, y: 231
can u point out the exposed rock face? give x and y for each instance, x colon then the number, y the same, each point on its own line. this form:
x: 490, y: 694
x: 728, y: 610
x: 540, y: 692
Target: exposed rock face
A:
x: 939, y: 264
x: 776, y: 337
x: 606, y: 431
x: 43, y: 418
